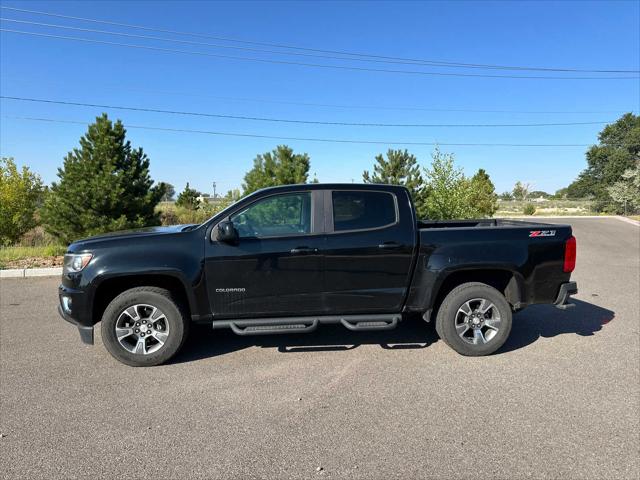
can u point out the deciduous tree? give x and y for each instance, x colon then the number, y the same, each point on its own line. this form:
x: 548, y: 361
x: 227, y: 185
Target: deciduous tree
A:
x: 626, y: 192
x: 169, y: 191
x: 521, y: 191
x: 20, y: 192
x: 447, y: 189
x: 617, y: 151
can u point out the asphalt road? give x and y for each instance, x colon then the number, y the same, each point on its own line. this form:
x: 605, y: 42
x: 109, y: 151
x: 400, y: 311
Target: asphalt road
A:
x: 560, y: 400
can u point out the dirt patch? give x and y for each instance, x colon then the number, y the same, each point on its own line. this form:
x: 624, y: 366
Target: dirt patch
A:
x: 35, y: 262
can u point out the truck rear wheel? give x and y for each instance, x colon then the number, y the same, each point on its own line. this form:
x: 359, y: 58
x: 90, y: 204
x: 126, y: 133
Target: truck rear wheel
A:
x: 474, y: 319
x: 144, y: 326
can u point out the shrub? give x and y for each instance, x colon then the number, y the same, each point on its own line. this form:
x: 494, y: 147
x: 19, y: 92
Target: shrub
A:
x: 37, y: 237
x: 529, y: 209
x: 172, y: 214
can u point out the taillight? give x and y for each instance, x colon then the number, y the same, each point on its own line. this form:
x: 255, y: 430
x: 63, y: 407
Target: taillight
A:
x: 569, y: 254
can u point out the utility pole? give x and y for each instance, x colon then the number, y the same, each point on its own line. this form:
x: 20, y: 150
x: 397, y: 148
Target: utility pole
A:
x: 214, y: 190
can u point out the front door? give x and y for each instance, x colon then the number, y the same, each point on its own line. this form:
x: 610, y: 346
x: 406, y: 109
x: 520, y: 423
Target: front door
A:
x: 276, y: 267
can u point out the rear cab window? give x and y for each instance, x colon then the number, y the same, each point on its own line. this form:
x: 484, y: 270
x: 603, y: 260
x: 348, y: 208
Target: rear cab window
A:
x: 363, y: 210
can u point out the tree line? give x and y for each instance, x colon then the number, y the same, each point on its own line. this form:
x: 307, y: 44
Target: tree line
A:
x: 105, y: 184
x: 612, y: 176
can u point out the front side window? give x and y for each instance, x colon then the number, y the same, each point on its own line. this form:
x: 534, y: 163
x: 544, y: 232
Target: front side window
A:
x: 275, y: 216
x: 362, y: 210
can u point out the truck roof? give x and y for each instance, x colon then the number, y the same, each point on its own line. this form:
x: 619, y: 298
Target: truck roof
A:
x: 334, y: 186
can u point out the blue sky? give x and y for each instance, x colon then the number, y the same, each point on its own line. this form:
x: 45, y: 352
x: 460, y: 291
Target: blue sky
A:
x: 588, y: 35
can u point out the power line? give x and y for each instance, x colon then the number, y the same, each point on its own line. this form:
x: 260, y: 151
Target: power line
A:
x: 120, y: 88
x: 307, y: 122
x: 337, y: 52
x: 207, y: 44
x: 304, y: 64
x: 306, y: 139
x: 215, y: 45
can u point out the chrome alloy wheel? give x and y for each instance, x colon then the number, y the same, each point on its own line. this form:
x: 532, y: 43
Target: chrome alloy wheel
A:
x: 142, y: 329
x: 477, y: 321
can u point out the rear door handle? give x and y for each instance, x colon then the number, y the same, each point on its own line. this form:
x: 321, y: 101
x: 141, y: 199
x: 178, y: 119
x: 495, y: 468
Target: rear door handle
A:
x: 389, y: 245
x: 303, y: 251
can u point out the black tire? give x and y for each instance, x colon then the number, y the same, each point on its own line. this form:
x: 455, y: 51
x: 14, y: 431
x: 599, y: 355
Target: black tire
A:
x: 449, y: 316
x: 177, y: 324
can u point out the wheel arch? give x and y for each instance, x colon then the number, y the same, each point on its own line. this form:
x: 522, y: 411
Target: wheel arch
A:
x: 506, y: 281
x: 110, y: 288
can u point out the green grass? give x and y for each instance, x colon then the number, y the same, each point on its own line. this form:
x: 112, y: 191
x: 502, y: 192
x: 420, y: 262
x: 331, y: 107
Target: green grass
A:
x: 11, y: 255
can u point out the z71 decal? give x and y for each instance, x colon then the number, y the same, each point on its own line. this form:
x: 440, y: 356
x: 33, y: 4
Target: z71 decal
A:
x: 542, y: 233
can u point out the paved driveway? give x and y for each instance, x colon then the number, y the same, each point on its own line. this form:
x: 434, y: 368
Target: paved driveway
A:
x: 561, y: 400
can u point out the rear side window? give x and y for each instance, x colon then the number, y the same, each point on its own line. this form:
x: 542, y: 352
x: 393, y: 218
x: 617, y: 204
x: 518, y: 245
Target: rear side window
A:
x: 362, y: 210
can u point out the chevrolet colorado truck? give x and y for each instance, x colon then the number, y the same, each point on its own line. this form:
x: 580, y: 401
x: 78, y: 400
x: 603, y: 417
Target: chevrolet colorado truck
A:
x: 288, y: 259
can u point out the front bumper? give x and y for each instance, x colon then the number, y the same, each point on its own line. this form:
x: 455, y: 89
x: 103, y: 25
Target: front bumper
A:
x: 86, y: 333
x: 566, y: 290
x: 74, y: 307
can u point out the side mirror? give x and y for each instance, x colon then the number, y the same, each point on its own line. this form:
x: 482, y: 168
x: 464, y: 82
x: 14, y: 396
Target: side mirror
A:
x: 227, y: 233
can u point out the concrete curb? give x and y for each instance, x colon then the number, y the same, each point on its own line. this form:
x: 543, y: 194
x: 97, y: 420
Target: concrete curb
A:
x: 31, y: 272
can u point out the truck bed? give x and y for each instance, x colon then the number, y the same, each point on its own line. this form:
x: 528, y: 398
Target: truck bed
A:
x: 478, y: 223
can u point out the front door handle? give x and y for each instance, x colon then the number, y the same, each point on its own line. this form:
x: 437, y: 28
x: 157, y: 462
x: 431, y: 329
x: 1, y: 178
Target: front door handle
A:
x: 303, y: 251
x: 389, y: 245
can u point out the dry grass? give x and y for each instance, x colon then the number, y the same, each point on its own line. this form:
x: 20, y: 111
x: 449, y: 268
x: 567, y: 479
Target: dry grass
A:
x: 509, y: 208
x: 32, y: 257
x: 170, y: 214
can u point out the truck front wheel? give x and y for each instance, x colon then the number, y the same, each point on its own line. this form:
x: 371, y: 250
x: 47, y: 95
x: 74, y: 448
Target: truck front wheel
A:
x: 474, y: 319
x: 144, y: 326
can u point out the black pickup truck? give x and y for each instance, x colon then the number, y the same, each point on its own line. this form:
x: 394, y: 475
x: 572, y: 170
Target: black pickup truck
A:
x: 287, y: 259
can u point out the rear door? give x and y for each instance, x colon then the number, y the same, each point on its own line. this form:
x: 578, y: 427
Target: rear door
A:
x: 369, y: 250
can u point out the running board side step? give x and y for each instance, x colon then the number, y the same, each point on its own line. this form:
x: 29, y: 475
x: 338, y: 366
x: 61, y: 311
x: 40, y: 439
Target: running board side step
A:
x: 269, y: 326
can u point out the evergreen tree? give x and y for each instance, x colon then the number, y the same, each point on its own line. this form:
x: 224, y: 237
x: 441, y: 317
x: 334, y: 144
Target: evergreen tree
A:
x: 482, y: 195
x: 188, y: 198
x: 399, y: 168
x: 104, y: 186
x: 278, y: 167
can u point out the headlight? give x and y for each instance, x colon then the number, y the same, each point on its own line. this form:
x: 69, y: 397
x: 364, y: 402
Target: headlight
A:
x: 74, y: 262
